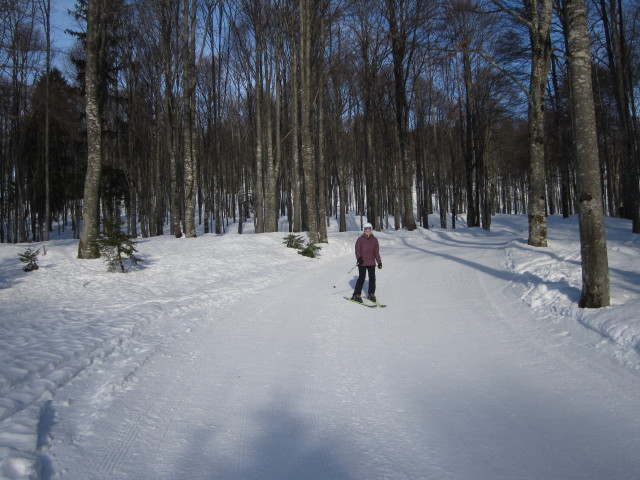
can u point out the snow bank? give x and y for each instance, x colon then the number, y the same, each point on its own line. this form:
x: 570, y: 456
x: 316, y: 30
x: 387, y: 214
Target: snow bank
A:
x: 553, y: 279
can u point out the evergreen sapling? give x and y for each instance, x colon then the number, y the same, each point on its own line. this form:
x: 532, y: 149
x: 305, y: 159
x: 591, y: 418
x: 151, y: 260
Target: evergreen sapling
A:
x: 30, y: 259
x: 116, y: 247
x: 296, y: 241
x: 310, y: 250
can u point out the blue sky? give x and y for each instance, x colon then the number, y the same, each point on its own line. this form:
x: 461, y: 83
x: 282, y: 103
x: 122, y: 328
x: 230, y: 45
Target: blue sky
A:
x: 61, y: 20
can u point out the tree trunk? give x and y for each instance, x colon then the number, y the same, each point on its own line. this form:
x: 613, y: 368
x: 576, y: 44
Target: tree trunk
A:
x: 308, y: 161
x: 272, y: 171
x: 87, y: 247
x: 170, y: 116
x: 188, y: 99
x: 593, y: 242
x: 259, y: 154
x: 295, y: 151
x: 399, y: 45
x: 321, y: 158
x: 342, y: 182
x: 370, y: 162
x: 613, y: 26
x: 540, y: 18
x: 468, y: 145
x: 562, y: 149
x: 46, y: 7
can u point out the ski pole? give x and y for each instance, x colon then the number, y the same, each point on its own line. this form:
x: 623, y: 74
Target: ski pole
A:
x: 346, y: 274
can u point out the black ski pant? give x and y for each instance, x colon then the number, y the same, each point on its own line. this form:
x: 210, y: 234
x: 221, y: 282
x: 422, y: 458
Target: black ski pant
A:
x: 362, y: 273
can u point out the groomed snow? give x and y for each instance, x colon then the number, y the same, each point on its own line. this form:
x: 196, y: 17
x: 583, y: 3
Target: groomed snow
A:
x: 232, y: 357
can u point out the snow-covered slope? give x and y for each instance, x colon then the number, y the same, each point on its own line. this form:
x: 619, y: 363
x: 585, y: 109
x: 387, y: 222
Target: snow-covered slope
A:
x: 232, y: 357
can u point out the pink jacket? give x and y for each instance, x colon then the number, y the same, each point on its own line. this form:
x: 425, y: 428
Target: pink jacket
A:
x: 369, y: 249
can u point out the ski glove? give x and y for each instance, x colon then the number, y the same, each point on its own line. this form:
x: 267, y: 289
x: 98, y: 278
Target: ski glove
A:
x: 360, y: 260
x: 379, y: 265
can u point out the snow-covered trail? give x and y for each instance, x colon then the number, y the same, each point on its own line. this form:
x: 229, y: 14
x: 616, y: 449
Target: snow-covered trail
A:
x: 456, y: 379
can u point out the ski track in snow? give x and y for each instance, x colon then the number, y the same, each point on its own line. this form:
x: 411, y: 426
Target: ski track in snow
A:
x: 239, y: 361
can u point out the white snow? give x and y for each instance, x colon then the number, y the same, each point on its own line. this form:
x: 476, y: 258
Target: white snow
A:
x: 233, y: 357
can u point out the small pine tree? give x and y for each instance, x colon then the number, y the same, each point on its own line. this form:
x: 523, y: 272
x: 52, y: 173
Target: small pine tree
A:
x: 294, y: 241
x: 30, y: 259
x: 116, y: 247
x: 310, y: 250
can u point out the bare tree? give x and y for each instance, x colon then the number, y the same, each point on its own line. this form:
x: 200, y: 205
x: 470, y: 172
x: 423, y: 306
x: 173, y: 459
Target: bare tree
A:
x: 312, y: 106
x: 321, y: 161
x: 19, y: 57
x: 87, y: 247
x: 536, y: 16
x: 593, y: 241
x: 296, y: 181
x: 45, y: 6
x: 369, y: 34
x: 306, y: 107
x: 188, y: 104
x: 404, y: 23
x: 618, y: 57
x: 168, y: 22
x: 273, y: 63
x: 538, y: 22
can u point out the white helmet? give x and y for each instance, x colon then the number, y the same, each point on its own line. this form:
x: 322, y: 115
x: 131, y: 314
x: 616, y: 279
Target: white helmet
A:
x: 367, y: 226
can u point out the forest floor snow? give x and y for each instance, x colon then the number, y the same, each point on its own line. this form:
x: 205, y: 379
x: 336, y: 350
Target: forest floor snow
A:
x: 232, y: 357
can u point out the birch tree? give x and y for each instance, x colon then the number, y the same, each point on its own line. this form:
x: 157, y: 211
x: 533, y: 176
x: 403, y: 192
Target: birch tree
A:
x: 87, y: 247
x: 593, y: 242
x: 188, y: 101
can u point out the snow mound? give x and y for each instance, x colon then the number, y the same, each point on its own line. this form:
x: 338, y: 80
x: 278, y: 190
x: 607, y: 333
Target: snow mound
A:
x: 553, y: 280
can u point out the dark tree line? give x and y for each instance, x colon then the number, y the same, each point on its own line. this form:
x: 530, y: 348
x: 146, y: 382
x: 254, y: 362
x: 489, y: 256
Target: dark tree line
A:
x: 217, y: 112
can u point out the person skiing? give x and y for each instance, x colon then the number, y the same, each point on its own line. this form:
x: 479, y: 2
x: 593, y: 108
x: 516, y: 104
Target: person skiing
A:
x: 367, y: 255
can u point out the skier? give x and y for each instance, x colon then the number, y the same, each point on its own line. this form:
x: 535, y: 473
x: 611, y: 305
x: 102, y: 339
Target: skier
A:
x: 367, y: 254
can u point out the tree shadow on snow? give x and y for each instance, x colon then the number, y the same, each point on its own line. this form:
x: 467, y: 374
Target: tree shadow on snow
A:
x: 501, y: 425
x: 564, y: 288
x: 45, y: 425
x: 629, y: 279
x: 283, y: 446
x: 10, y: 273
